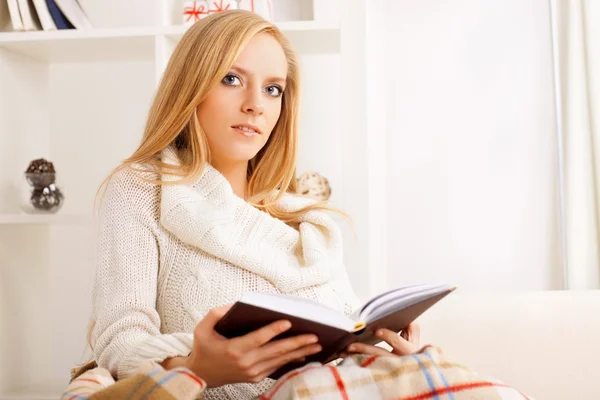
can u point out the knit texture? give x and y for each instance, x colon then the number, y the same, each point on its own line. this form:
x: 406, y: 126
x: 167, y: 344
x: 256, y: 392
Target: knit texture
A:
x: 169, y: 254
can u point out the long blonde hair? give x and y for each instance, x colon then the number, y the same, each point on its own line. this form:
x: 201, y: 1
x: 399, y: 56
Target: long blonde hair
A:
x: 200, y: 61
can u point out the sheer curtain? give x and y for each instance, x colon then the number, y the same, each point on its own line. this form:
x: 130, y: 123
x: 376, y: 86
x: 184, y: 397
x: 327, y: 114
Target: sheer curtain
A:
x: 577, y: 41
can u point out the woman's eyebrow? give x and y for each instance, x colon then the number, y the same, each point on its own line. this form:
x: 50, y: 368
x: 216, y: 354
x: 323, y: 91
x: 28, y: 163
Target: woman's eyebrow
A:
x: 242, y: 71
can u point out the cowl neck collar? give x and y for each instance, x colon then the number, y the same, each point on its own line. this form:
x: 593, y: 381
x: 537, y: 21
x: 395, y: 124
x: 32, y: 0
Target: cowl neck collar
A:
x: 207, y: 214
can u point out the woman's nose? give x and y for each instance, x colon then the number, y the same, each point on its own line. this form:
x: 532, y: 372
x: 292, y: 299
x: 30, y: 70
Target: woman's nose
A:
x: 253, y: 103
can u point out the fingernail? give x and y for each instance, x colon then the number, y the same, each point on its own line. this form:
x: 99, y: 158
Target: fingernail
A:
x: 351, y: 348
x: 379, y: 333
x: 286, y: 325
x: 313, y: 339
x: 317, y: 348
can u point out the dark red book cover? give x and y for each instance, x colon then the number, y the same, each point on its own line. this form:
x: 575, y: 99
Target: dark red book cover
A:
x: 244, y: 318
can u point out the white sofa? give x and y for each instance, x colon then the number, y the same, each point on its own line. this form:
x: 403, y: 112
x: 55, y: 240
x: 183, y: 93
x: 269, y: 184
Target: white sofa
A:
x: 547, y: 344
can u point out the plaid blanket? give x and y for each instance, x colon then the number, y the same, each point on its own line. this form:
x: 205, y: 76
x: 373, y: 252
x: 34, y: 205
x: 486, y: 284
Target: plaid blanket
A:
x: 421, y: 376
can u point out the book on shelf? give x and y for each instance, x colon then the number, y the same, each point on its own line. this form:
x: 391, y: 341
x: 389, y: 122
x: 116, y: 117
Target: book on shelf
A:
x: 74, y: 13
x: 15, y: 16
x: 393, y: 309
x: 28, y: 15
x: 58, y: 17
x: 47, y: 15
x: 44, y: 15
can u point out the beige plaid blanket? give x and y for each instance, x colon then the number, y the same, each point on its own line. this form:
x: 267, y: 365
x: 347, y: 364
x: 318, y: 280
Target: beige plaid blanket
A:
x: 425, y: 375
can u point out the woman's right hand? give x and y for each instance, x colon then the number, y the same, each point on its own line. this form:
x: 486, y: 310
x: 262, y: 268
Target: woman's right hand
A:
x: 249, y: 358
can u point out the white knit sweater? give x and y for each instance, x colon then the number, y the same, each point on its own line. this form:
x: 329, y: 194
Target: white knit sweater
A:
x: 169, y: 254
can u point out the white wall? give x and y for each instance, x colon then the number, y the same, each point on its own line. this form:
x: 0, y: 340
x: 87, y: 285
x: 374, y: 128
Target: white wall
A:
x: 471, y: 159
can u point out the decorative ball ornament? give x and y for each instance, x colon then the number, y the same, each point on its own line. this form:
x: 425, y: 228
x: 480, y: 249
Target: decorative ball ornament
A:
x: 42, y: 195
x: 314, y: 185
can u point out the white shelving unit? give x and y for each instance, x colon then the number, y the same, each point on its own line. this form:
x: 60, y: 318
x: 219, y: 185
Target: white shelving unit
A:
x: 111, y: 44
x: 79, y: 99
x: 37, y: 219
x: 137, y: 43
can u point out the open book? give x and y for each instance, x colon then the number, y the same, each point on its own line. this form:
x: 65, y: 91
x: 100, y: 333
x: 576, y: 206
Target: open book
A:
x: 394, y: 310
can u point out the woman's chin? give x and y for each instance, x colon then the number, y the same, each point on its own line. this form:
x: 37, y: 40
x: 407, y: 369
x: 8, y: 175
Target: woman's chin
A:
x: 240, y: 157
x: 244, y: 152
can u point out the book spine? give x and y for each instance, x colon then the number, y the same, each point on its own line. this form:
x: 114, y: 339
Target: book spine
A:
x: 28, y: 22
x: 74, y: 13
x: 59, y: 18
x: 15, y: 15
x: 44, y: 15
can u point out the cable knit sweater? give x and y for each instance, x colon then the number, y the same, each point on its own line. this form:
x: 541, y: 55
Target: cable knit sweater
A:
x: 168, y: 254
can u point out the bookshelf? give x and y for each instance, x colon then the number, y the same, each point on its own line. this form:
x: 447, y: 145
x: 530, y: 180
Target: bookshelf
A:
x: 79, y: 98
x: 139, y: 43
x: 69, y: 46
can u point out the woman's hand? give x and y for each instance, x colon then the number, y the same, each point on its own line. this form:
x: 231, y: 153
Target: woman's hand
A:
x: 405, y: 343
x: 250, y: 358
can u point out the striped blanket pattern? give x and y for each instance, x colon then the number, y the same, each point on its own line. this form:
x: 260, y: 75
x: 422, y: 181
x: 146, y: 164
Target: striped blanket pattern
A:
x: 425, y: 375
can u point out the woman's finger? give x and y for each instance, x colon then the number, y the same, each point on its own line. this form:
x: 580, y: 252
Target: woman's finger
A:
x: 281, y: 347
x: 274, y: 363
x: 266, y: 374
x: 362, y: 348
x: 414, y: 333
x: 261, y: 336
x: 390, y: 337
x: 400, y: 346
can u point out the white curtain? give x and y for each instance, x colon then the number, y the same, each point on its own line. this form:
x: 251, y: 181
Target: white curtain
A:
x: 578, y: 34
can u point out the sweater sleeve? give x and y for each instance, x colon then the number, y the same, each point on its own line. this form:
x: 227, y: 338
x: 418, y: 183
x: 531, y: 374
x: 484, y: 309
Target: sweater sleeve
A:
x: 126, y: 323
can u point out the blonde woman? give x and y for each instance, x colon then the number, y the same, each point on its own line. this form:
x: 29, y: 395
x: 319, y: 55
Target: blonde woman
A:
x: 204, y: 211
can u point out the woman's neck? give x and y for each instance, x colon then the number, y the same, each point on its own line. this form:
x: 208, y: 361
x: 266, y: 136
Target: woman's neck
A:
x: 236, y: 174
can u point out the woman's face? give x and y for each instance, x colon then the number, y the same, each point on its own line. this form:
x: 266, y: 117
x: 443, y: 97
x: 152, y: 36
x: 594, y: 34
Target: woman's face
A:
x: 241, y: 111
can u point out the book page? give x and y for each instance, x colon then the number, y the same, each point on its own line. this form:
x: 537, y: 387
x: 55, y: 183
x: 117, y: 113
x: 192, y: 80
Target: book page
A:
x: 300, y: 307
x: 400, y: 298
x: 386, y: 296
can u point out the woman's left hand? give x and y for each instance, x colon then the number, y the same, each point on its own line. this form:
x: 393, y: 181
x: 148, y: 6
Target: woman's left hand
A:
x: 405, y: 343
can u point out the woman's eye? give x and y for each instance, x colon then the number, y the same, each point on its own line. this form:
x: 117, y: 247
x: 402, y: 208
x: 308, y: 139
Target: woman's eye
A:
x: 274, y: 91
x: 231, y: 80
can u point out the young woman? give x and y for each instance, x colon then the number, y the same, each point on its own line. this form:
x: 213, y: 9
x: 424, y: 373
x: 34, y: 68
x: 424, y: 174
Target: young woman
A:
x: 205, y: 210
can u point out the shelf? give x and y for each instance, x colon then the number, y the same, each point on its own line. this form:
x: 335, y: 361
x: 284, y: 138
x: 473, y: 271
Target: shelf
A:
x: 286, y: 27
x: 42, y: 219
x: 306, y: 36
x: 135, y: 44
x: 73, y: 45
